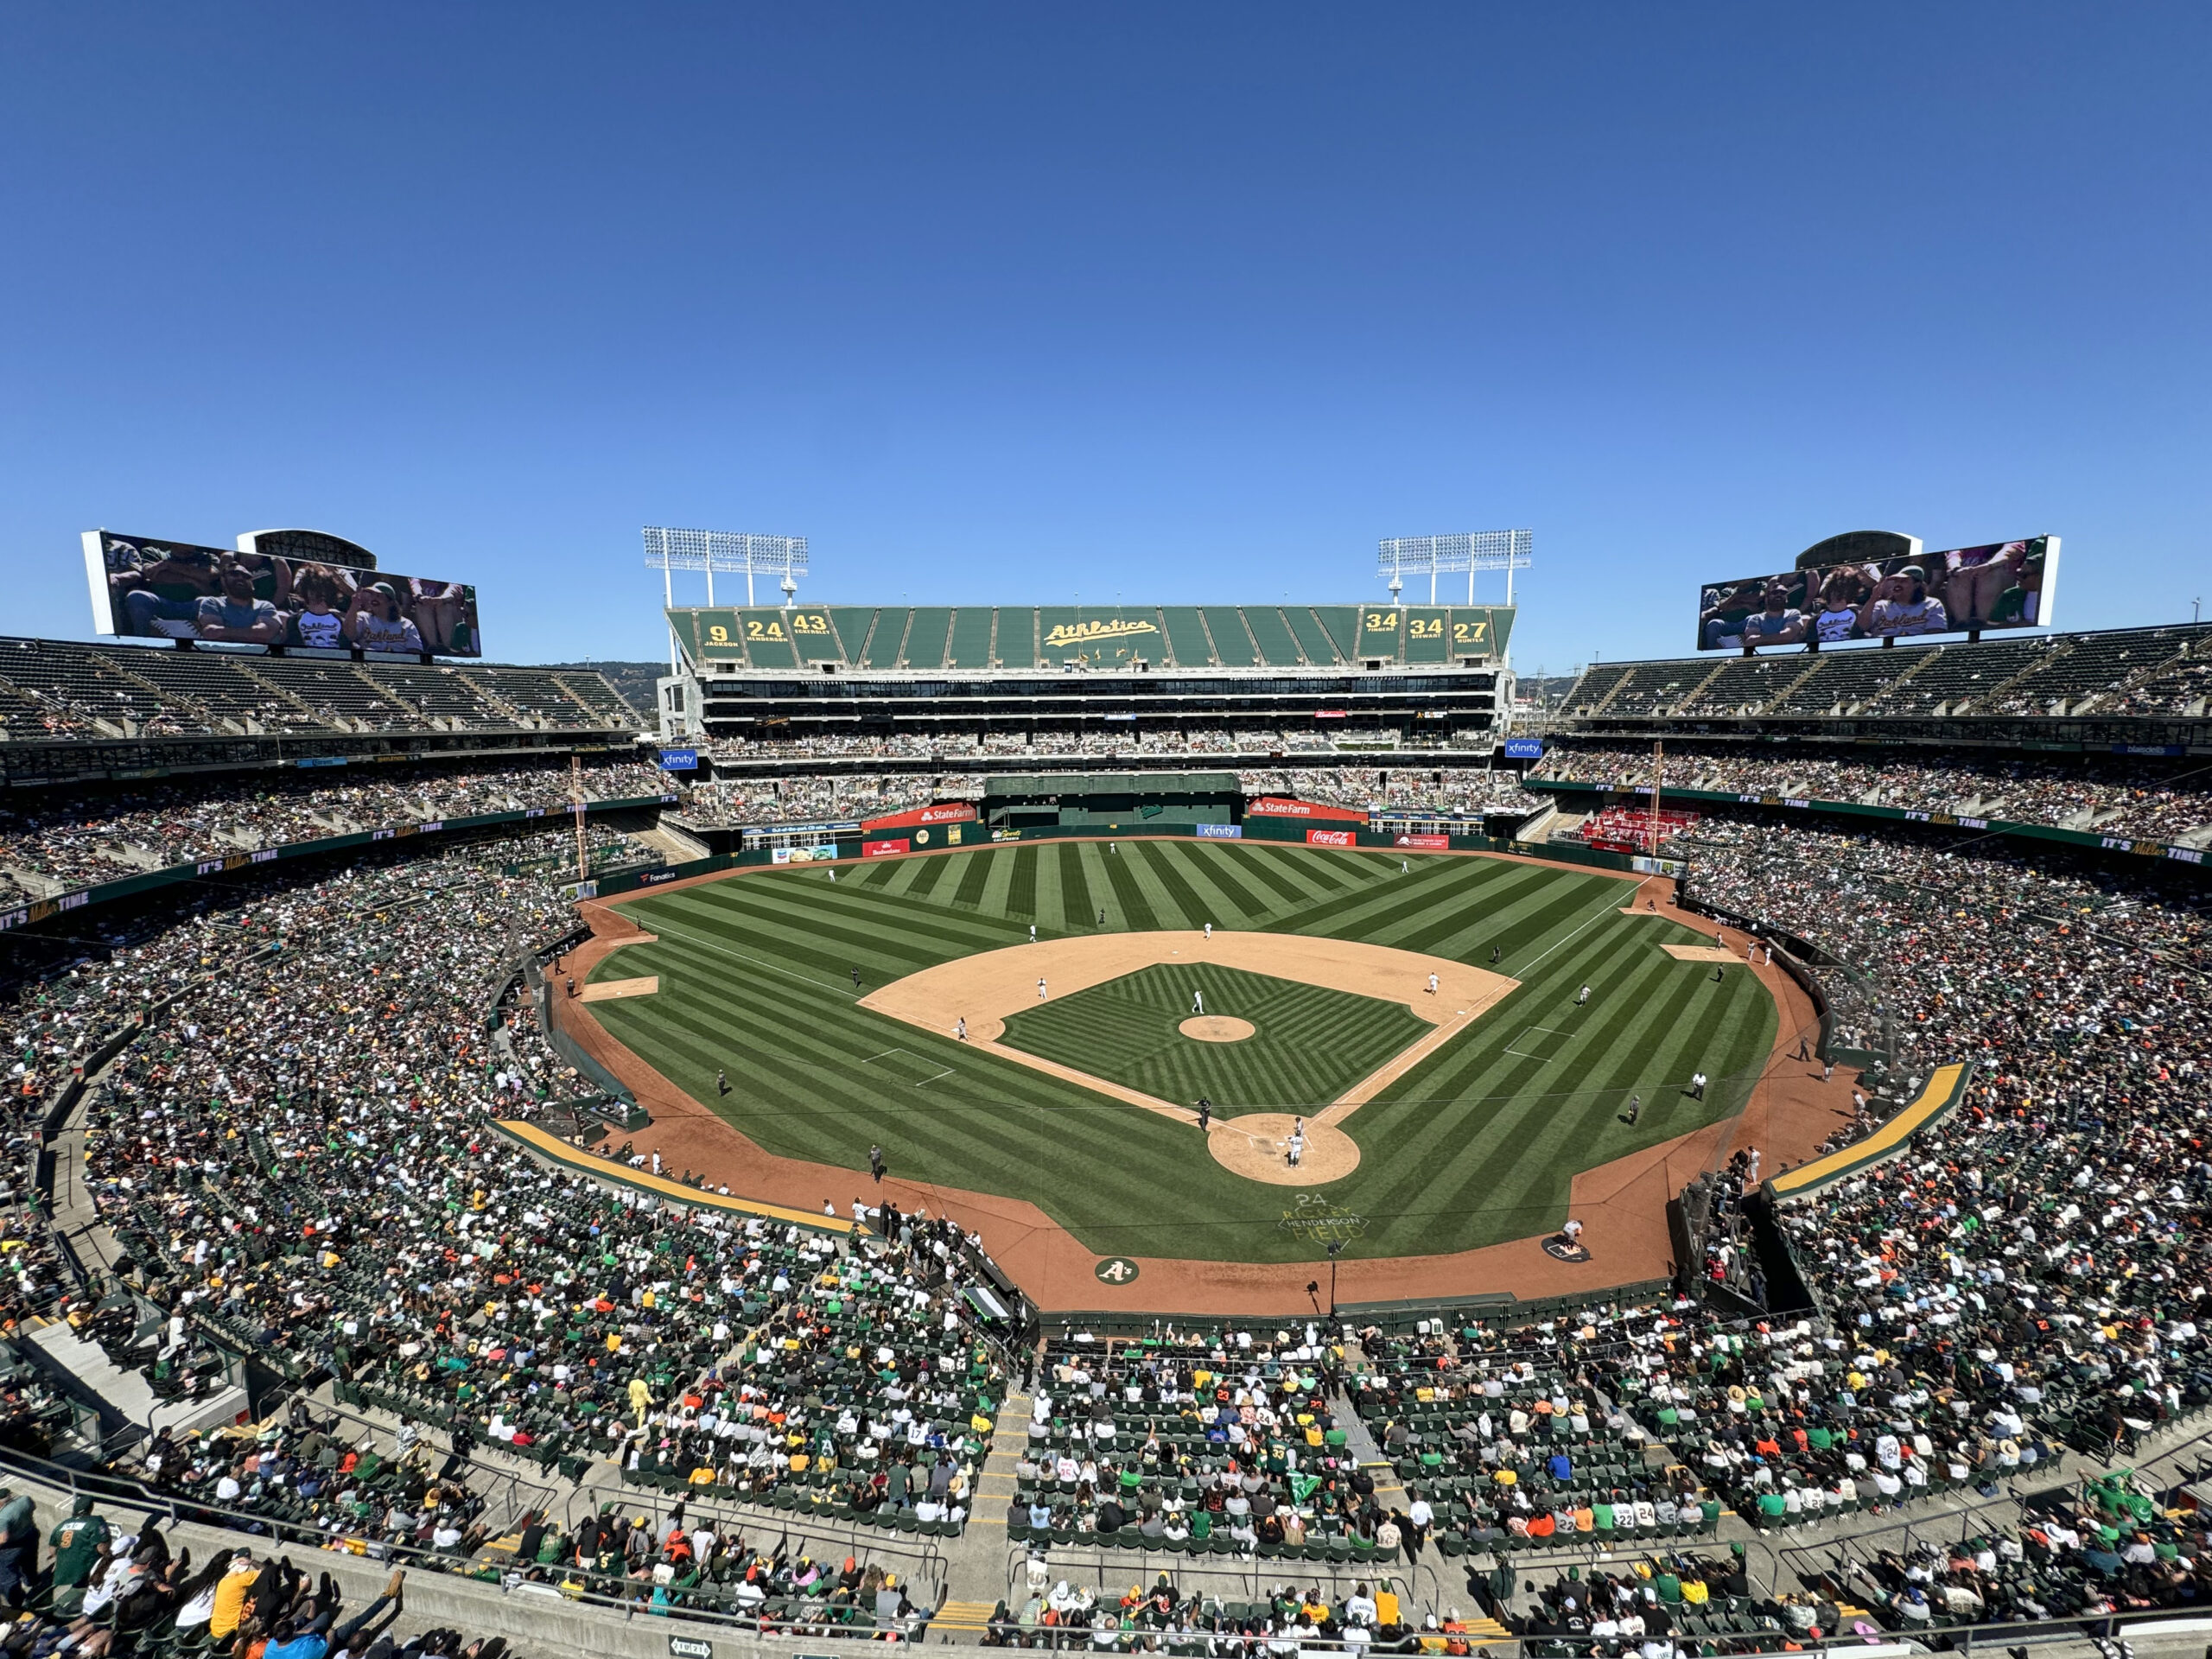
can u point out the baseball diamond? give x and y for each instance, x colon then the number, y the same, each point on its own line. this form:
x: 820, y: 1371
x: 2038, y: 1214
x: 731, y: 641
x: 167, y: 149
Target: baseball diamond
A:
x: 1280, y: 1088
x: 1475, y: 1145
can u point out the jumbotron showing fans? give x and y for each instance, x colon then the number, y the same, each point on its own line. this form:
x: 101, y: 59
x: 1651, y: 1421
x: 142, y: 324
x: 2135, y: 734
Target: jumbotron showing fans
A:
x: 1206, y: 1129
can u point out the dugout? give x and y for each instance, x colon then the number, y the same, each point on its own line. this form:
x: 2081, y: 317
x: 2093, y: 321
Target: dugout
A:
x: 1109, y: 800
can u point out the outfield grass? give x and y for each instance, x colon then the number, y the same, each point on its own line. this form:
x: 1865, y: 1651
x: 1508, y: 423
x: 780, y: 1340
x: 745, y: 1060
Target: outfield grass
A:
x: 1474, y: 1145
x: 1311, y: 1043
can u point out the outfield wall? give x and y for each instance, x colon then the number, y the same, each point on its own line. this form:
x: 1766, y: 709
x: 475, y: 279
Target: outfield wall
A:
x: 854, y: 848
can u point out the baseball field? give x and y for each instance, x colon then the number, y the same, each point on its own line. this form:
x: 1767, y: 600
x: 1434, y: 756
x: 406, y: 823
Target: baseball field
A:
x: 1430, y: 1120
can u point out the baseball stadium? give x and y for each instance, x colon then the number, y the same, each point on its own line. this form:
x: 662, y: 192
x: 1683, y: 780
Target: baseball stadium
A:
x: 1185, y: 1128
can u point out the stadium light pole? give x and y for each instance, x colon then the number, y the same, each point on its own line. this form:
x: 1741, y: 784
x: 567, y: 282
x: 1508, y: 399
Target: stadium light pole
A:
x: 1484, y: 550
x: 732, y: 552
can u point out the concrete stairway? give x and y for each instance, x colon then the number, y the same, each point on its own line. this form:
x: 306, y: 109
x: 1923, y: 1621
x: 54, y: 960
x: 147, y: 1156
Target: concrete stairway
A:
x: 124, y: 1396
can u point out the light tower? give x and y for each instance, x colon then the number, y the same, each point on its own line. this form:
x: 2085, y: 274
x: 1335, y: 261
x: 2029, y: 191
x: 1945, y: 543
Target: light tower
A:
x: 726, y: 550
x: 709, y: 550
x: 1484, y: 550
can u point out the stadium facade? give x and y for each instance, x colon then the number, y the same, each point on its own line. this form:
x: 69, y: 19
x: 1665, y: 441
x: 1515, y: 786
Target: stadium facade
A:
x: 1431, y: 673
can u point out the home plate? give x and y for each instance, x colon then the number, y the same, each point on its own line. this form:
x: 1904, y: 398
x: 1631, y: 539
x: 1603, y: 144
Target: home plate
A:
x: 608, y: 990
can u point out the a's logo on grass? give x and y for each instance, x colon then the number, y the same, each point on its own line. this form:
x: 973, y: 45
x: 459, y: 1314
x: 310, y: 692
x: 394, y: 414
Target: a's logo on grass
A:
x: 1317, y: 1221
x: 1116, y: 1270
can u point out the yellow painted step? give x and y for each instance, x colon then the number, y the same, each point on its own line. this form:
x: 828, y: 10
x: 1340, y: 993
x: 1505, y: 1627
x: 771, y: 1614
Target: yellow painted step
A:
x: 963, y: 1616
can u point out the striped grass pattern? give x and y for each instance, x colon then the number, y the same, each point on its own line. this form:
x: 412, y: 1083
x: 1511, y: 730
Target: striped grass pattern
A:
x: 1312, y: 1043
x: 1474, y: 1145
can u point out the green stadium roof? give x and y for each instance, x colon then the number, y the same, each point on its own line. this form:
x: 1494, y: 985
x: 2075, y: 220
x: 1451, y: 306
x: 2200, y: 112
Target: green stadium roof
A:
x: 927, y: 640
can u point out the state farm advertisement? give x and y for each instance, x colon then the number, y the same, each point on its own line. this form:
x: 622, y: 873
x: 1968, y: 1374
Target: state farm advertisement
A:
x: 1277, y: 806
x: 942, y: 812
x: 881, y: 848
x: 1426, y: 843
x: 1333, y: 837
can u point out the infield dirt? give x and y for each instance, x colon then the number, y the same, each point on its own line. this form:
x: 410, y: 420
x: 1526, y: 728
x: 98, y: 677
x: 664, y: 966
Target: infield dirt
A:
x: 986, y: 989
x: 1623, y: 1202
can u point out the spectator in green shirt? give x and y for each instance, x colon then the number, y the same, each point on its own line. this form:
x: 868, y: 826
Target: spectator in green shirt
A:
x: 77, y: 1544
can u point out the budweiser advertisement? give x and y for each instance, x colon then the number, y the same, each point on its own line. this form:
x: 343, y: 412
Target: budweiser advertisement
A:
x: 942, y: 812
x: 881, y: 848
x: 1277, y: 806
x: 1333, y: 837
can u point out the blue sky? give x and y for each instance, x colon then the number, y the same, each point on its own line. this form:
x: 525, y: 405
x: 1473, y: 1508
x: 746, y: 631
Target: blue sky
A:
x: 1176, y: 303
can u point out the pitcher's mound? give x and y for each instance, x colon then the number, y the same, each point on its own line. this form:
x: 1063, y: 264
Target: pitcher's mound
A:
x: 1256, y: 1147
x: 1216, y: 1029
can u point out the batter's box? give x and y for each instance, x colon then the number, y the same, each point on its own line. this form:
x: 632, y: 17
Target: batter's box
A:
x: 1536, y: 1042
x: 909, y: 1067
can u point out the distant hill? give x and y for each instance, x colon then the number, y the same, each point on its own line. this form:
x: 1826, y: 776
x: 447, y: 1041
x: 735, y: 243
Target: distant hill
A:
x: 1545, y: 690
x: 635, y: 681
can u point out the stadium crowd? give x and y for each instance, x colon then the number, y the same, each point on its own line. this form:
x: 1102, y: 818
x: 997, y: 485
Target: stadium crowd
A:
x: 114, y: 1585
x: 2038, y: 1266
x: 1042, y: 745
x: 1220, y: 1442
x: 2102, y: 1548
x: 820, y: 799
x: 1164, y: 1617
x: 2133, y: 797
x: 297, y: 1155
x: 82, y: 839
x: 1396, y: 789
x: 806, y: 800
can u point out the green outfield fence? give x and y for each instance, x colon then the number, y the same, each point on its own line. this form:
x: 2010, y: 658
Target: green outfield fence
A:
x: 849, y: 847
x: 1268, y: 829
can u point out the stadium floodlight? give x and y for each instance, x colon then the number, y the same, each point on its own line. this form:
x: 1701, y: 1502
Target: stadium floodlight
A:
x: 1484, y: 550
x: 728, y: 550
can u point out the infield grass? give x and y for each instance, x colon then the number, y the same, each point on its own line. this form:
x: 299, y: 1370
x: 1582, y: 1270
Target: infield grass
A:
x: 1311, y: 1044
x: 1474, y: 1145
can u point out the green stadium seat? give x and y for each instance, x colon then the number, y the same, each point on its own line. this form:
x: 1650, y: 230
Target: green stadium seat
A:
x: 969, y: 645
x: 1232, y: 645
x: 1186, y: 636
x: 926, y: 637
x: 1278, y: 648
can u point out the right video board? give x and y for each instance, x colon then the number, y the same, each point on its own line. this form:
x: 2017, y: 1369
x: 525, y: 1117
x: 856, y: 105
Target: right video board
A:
x: 1962, y: 589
